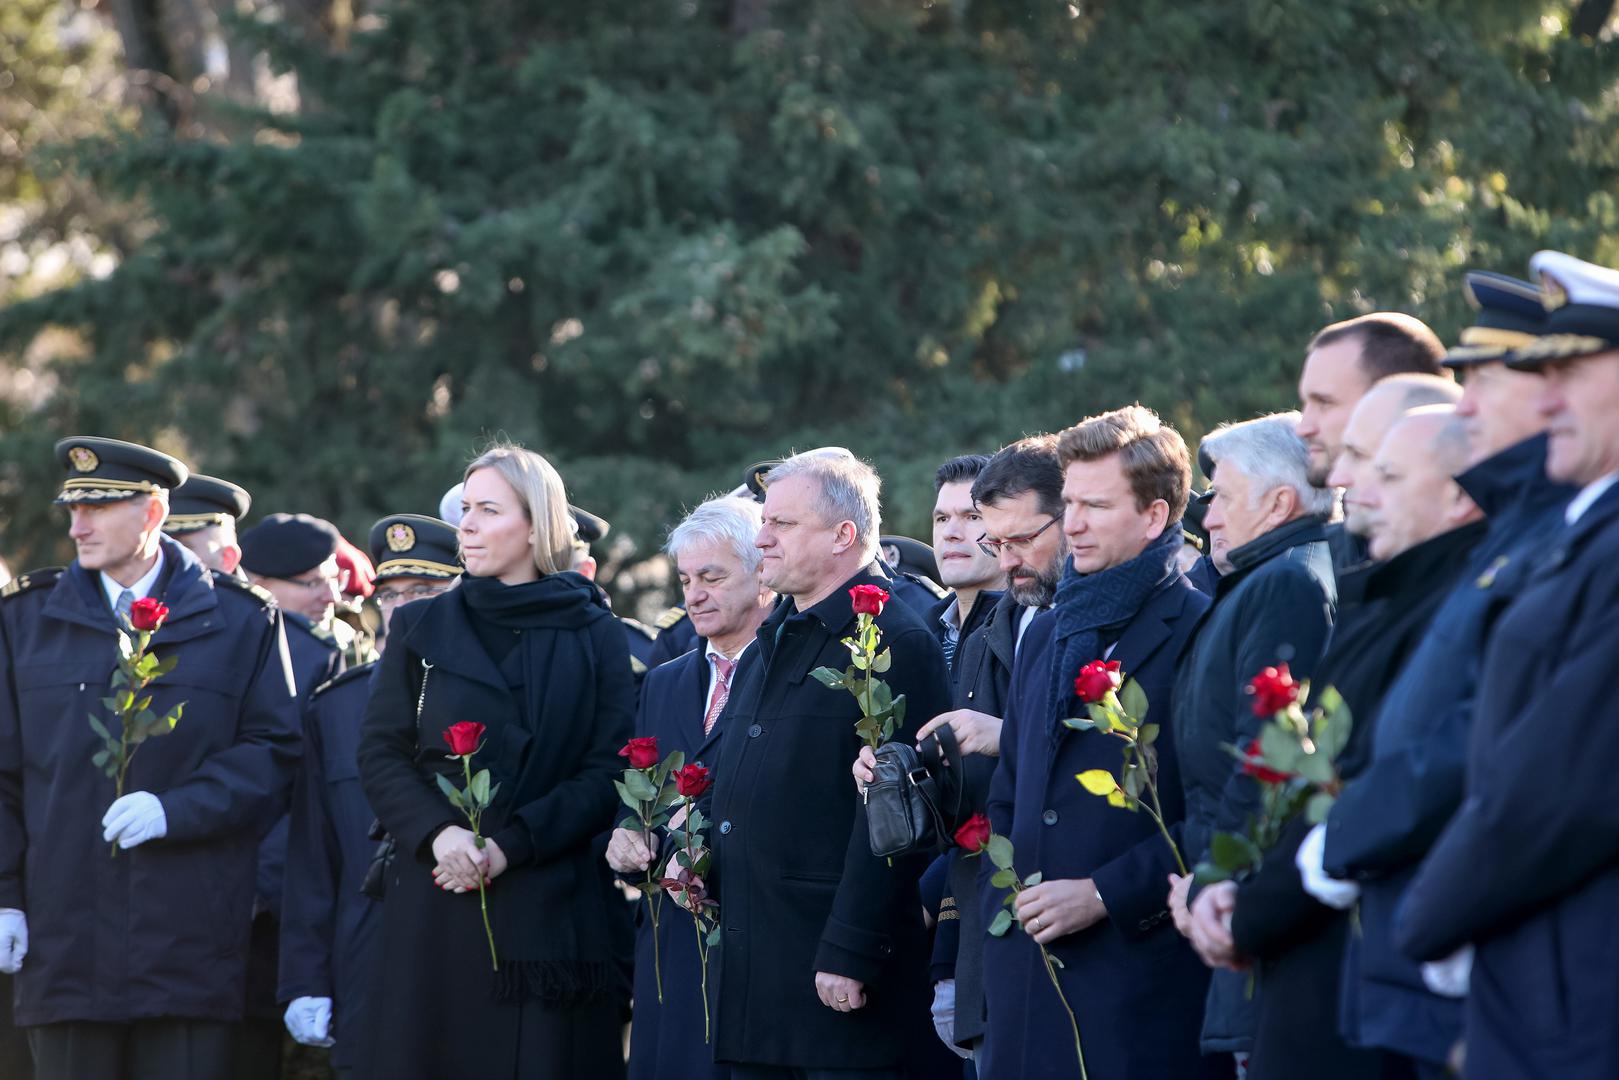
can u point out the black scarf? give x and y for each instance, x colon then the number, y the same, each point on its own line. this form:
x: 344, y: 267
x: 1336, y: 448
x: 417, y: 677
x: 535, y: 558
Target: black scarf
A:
x: 1091, y: 607
x: 535, y: 963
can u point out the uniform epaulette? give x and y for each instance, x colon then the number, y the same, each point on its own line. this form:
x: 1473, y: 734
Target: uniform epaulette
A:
x: 260, y: 592
x: 346, y: 675
x: 639, y: 627
x: 638, y: 666
x: 34, y: 579
x: 927, y: 583
x: 670, y: 618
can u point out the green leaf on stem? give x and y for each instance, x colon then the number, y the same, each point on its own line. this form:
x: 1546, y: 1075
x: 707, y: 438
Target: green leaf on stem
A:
x: 1097, y: 781
x: 1133, y: 700
x: 1033, y: 879
x: 99, y: 728
x: 1148, y: 734
x: 999, y: 851
x: 1003, y: 879
x: 1316, y: 768
x: 832, y: 680
x: 1001, y: 923
x: 479, y: 788
x: 450, y: 791
x: 1315, y: 811
x: 1234, y: 852
x: 639, y: 786
x: 100, y: 759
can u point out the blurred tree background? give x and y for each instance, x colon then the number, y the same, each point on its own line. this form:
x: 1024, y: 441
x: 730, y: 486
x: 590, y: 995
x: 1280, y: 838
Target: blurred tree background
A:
x: 326, y: 248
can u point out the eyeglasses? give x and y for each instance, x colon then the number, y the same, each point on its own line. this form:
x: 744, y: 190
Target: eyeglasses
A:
x: 415, y: 592
x: 321, y: 581
x: 993, y: 548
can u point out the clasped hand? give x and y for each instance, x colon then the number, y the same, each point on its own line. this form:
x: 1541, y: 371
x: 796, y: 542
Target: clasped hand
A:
x: 462, y: 865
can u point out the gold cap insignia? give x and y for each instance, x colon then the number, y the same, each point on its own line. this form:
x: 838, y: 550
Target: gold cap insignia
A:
x: 1552, y: 293
x: 401, y: 537
x: 83, y: 458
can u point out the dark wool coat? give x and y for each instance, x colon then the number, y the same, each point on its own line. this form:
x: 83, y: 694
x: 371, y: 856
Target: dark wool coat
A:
x: 1528, y: 870
x: 1135, y: 985
x: 799, y: 890
x: 1276, y: 604
x: 667, y: 1039
x: 161, y: 930
x: 983, y: 674
x: 444, y: 1019
x: 1298, y: 943
x: 328, y: 927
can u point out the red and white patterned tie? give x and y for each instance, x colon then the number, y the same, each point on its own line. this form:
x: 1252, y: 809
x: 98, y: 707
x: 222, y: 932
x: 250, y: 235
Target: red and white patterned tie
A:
x: 723, y: 669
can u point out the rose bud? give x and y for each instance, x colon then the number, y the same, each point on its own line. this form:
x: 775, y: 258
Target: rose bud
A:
x: 463, y: 737
x: 1096, y: 679
x: 1253, y: 764
x: 148, y: 613
x: 974, y: 834
x: 692, y: 780
x: 642, y: 752
x: 1273, y: 690
x: 868, y: 599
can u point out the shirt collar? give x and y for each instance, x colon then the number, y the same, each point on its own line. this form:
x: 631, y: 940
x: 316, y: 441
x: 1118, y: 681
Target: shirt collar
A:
x: 951, y: 615
x: 142, y: 588
x: 1588, y: 495
x: 709, y: 652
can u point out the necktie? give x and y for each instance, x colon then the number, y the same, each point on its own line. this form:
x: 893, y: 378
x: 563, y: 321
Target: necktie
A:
x: 723, y: 670
x: 126, y: 603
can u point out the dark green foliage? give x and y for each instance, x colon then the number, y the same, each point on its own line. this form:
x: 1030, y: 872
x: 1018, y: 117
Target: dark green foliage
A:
x: 656, y: 251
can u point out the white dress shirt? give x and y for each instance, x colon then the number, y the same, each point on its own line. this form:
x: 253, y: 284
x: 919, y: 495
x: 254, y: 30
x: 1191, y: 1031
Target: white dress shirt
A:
x: 142, y: 588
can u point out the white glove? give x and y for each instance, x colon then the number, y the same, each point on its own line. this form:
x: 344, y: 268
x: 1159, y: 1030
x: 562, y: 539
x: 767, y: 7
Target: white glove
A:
x: 13, y: 940
x: 134, y: 819
x: 1329, y: 890
x: 944, y: 1015
x: 309, y: 1020
x: 1449, y: 977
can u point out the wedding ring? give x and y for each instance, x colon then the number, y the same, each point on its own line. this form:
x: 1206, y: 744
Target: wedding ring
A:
x: 1035, y: 923
x: 843, y: 1001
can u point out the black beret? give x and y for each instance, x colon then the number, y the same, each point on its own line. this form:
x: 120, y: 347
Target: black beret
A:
x: 286, y: 545
x: 412, y: 545
x: 591, y: 528
x: 107, y: 470
x: 203, y: 501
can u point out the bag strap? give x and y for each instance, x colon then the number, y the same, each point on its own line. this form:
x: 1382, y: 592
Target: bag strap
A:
x: 944, y: 751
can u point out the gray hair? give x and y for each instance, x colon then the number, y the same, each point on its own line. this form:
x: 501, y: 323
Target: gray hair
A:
x: 724, y: 517
x: 849, y: 490
x: 1270, y: 453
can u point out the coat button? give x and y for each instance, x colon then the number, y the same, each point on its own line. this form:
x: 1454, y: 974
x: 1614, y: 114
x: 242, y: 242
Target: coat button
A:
x: 1049, y: 817
x: 754, y: 731
x: 1144, y: 924
x: 725, y: 827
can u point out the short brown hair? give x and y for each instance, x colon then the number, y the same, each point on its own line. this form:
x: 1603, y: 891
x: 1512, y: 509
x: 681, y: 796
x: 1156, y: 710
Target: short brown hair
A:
x: 1391, y: 343
x: 1152, y: 453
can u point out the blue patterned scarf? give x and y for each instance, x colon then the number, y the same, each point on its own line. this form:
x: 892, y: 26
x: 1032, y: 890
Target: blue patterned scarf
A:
x: 1092, y: 608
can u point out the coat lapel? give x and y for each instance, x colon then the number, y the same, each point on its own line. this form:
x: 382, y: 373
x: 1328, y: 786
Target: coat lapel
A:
x: 444, y: 636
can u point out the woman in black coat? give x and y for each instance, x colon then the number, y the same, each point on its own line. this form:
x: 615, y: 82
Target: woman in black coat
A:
x: 532, y: 652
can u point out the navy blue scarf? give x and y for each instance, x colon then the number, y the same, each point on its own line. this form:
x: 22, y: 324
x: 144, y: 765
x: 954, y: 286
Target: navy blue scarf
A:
x: 1091, y: 608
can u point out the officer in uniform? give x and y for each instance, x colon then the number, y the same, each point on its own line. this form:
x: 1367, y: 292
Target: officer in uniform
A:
x: 134, y: 965
x: 328, y: 925
x: 203, y: 513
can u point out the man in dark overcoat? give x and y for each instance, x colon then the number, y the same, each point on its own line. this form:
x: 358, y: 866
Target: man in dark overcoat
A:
x: 135, y: 965
x: 1391, y: 812
x: 1422, y: 527
x: 1134, y: 985
x: 822, y: 963
x: 1528, y: 869
x: 329, y: 926
x: 683, y: 707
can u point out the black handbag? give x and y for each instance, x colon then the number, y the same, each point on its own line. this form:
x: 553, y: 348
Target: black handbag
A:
x: 375, y: 884
x: 914, y: 801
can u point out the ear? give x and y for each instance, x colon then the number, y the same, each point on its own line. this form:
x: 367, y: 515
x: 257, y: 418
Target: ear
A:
x: 1283, y: 505
x: 1157, y: 518
x: 156, y: 511
x: 230, y: 557
x: 843, y: 537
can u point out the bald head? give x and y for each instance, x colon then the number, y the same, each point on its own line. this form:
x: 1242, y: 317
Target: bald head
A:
x: 1373, y: 416
x: 1411, y: 489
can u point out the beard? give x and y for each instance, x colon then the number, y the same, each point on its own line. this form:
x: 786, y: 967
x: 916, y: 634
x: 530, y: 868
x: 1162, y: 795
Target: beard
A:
x: 1039, y: 592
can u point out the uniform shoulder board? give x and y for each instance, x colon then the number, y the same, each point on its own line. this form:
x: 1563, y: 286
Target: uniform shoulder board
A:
x: 262, y: 594
x: 638, y: 666
x: 670, y: 618
x: 344, y: 676
x: 34, y: 579
x: 927, y: 583
x: 639, y: 627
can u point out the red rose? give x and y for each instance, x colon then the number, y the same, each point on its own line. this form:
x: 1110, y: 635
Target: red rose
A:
x: 642, y: 752
x: 692, y: 780
x: 1253, y: 764
x: 463, y: 738
x: 1096, y: 679
x: 868, y: 599
x: 974, y: 834
x: 1273, y: 690
x: 148, y: 613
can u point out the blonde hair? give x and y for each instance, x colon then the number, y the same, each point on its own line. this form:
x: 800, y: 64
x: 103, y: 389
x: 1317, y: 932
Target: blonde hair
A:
x: 541, y: 495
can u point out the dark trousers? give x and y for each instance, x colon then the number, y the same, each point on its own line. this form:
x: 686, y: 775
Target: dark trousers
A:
x: 788, y: 1072
x: 143, y: 1049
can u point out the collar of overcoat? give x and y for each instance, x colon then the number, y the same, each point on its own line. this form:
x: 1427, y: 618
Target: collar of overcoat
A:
x: 185, y: 585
